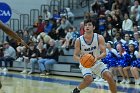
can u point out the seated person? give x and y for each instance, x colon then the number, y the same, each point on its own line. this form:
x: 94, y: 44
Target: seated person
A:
x: 1, y: 56
x: 51, y: 58
x: 9, y: 55
x: 32, y: 56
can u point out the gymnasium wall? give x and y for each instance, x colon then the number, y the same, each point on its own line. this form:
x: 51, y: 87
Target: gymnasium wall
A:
x: 23, y: 6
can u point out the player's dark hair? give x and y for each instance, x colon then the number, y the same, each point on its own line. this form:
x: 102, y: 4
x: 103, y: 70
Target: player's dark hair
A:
x: 89, y: 20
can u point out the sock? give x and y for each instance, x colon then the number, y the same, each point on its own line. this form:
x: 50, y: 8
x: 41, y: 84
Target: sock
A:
x: 78, y: 88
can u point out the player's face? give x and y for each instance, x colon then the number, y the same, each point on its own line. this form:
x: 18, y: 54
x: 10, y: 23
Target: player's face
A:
x: 119, y: 47
x: 108, y: 45
x: 127, y: 37
x: 88, y: 27
x: 32, y: 47
x: 131, y: 48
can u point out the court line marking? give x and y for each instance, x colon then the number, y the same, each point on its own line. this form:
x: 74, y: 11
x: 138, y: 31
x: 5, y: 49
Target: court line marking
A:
x: 69, y: 82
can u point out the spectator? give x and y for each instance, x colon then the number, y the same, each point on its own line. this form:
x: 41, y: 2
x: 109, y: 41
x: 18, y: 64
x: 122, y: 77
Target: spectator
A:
x: 95, y: 6
x: 70, y: 15
x: 115, y: 5
x: 123, y: 61
x: 109, y: 34
x: 40, y: 25
x: 48, y: 26
x: 117, y: 23
x: 48, y: 15
x: 51, y: 58
x: 118, y: 39
x: 33, y: 38
x: 102, y: 10
x: 135, y: 69
x: 128, y: 40
x: 46, y: 38
x: 68, y: 38
x: 75, y: 35
x: 127, y: 24
x: 9, y: 55
x: 1, y: 56
x: 135, y: 12
x: 107, y: 4
x: 136, y: 39
x: 56, y: 15
x: 101, y: 24
x: 135, y: 28
x: 82, y: 28
x: 26, y: 36
x: 134, y: 55
x: 20, y: 50
x: 111, y: 59
x: 32, y: 56
x: 65, y: 24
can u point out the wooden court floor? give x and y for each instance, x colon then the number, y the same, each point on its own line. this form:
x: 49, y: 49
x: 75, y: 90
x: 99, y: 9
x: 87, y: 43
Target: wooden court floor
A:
x: 14, y: 82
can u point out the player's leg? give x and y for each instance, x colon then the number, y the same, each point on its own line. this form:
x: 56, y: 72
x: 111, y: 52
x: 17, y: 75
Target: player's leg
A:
x: 135, y: 74
x: 125, y: 70
x: 87, y: 80
x: 100, y: 69
x: 109, y: 78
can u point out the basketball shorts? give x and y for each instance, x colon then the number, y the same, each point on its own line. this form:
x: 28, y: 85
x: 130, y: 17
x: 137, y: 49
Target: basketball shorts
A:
x: 97, y: 69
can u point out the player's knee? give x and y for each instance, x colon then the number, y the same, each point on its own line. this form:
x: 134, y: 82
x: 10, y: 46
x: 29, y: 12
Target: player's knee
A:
x: 135, y: 69
x: 119, y: 68
x: 88, y: 79
x: 124, y: 69
x: 107, y: 76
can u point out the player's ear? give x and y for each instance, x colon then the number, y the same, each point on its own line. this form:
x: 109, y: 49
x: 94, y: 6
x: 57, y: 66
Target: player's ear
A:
x: 94, y: 27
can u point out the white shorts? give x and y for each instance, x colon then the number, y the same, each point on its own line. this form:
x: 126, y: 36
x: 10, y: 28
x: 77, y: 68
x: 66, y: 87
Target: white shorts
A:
x: 97, y: 69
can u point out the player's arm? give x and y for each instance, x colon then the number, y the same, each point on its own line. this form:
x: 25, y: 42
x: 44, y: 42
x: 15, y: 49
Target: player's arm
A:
x: 76, y: 54
x: 102, y: 47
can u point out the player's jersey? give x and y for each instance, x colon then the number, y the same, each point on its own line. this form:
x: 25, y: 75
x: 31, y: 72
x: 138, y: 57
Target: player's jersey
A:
x: 92, y: 48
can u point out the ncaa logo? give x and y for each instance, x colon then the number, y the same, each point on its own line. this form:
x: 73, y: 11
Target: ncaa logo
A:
x: 5, y: 12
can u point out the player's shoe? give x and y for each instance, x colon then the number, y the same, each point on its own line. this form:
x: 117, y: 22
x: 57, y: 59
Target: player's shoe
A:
x: 75, y: 91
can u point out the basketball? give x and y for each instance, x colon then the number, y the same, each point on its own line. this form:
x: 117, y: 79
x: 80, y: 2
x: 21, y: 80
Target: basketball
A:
x: 87, y: 60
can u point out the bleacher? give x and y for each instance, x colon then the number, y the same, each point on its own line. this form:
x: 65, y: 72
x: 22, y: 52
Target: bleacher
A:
x: 65, y: 66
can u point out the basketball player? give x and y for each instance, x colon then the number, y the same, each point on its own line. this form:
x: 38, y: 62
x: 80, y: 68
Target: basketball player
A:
x: 94, y: 44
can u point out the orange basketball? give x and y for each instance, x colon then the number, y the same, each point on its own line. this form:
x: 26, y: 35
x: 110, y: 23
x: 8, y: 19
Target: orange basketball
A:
x: 87, y: 60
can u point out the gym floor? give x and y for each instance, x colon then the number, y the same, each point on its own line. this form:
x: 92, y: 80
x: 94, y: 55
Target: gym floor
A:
x: 14, y: 82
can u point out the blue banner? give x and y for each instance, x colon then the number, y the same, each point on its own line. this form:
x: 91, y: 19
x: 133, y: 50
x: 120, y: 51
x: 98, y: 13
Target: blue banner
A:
x: 5, y: 12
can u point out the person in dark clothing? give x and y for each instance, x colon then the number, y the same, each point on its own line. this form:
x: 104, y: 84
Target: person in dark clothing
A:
x: 51, y: 58
x: 1, y: 56
x: 32, y: 57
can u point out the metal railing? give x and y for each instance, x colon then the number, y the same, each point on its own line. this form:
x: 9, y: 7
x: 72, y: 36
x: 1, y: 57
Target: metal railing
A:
x: 54, y: 5
x: 24, y: 21
x: 14, y: 24
x: 30, y: 19
x: 34, y: 13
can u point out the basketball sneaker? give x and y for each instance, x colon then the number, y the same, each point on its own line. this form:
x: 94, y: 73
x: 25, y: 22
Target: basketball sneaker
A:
x: 5, y: 70
x: 24, y: 72
x: 127, y: 81
x: 123, y: 81
x: 30, y: 73
x: 76, y: 90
